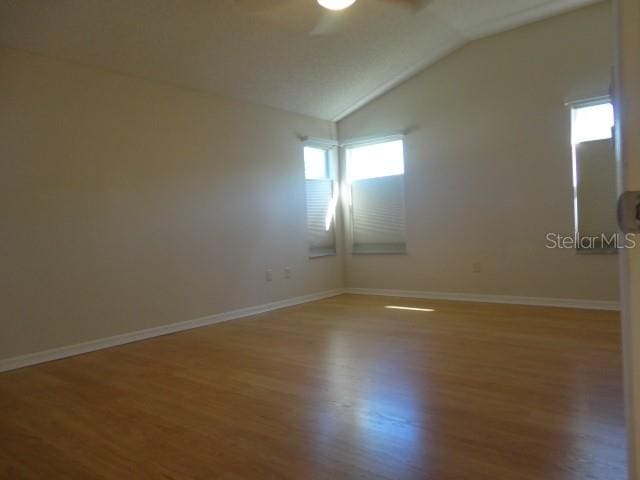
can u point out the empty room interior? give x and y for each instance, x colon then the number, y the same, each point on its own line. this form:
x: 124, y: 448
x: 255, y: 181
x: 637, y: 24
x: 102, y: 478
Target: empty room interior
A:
x: 310, y: 239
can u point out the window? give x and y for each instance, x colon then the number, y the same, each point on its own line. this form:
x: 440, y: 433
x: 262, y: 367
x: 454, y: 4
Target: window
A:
x: 591, y: 122
x: 321, y: 197
x: 594, y: 172
x: 375, y: 177
x: 374, y: 161
x: 316, y: 163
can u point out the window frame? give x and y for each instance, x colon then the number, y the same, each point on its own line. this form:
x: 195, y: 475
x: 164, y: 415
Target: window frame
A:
x: 329, y: 147
x: 378, y: 248
x: 573, y: 107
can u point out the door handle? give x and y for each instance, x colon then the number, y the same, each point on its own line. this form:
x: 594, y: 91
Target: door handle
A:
x: 629, y: 212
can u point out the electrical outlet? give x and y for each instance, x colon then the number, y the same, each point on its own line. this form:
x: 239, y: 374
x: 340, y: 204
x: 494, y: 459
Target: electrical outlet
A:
x: 476, y: 267
x: 268, y: 275
x: 287, y: 272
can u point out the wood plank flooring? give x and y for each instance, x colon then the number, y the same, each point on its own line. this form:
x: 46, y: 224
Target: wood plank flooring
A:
x: 343, y: 388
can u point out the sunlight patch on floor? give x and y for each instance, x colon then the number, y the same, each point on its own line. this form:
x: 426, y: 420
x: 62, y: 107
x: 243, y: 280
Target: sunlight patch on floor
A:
x: 413, y: 309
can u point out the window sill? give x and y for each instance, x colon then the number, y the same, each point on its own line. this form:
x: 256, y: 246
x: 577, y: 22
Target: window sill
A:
x: 322, y: 254
x: 596, y: 251
x: 379, y: 249
x: 379, y: 253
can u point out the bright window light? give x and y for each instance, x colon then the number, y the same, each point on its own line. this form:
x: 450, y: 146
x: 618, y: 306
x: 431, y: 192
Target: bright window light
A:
x: 592, y: 122
x: 413, y: 309
x: 331, y: 211
x: 316, y: 165
x: 375, y: 160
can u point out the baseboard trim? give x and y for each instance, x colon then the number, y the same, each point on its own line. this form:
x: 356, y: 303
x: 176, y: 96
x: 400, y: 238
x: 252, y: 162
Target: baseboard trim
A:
x: 99, y: 344
x: 504, y: 299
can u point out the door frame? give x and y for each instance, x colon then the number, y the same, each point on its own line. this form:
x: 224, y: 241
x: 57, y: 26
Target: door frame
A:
x: 627, y: 106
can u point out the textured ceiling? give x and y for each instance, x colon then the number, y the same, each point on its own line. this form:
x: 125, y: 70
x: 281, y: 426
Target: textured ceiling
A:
x: 247, y: 50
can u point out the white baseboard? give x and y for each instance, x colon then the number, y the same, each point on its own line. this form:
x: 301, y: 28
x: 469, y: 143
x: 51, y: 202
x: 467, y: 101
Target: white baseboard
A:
x: 90, y: 346
x: 507, y: 299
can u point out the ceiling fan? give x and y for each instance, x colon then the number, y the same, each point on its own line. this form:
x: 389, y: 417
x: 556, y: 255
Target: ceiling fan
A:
x: 316, y: 17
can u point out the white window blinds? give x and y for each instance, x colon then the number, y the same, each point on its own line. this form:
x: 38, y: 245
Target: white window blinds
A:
x: 596, y: 189
x: 378, y: 215
x: 375, y: 174
x: 319, y: 218
x: 320, y: 198
x: 594, y: 170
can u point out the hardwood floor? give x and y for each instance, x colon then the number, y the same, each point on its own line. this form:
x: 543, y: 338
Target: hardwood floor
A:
x: 342, y: 388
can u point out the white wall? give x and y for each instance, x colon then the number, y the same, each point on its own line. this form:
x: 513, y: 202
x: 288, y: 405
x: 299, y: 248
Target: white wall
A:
x: 488, y: 164
x: 127, y: 204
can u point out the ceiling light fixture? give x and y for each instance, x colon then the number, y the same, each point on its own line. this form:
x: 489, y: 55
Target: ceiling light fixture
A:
x: 336, y: 4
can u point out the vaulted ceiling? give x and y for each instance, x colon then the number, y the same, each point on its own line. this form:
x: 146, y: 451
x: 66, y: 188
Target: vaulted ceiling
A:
x: 270, y: 52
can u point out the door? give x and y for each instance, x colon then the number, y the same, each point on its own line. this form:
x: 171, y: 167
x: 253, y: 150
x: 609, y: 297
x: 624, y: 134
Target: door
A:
x: 627, y: 103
